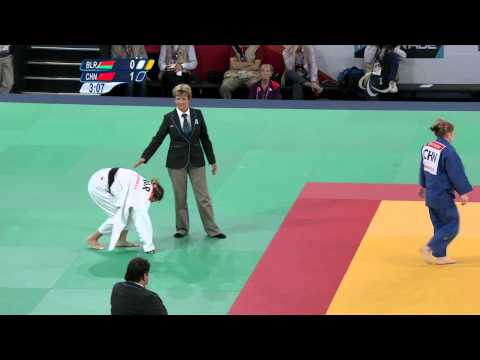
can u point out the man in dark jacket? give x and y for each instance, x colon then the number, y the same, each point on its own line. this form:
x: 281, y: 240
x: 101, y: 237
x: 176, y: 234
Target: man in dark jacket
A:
x: 132, y: 297
x: 188, y: 134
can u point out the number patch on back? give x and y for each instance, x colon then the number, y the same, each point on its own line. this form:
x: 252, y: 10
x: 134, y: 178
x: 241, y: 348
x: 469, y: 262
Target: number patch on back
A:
x: 431, y: 157
x: 146, y: 185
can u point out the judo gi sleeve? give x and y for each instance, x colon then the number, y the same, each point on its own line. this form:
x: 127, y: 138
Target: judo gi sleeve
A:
x: 456, y: 173
x: 422, y: 174
x: 143, y: 225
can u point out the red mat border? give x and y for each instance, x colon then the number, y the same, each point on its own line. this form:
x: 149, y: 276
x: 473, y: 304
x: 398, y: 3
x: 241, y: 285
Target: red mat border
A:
x: 300, y: 271
x: 401, y: 192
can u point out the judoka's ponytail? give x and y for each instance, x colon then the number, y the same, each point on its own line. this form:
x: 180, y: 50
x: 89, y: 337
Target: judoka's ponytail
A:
x: 442, y: 127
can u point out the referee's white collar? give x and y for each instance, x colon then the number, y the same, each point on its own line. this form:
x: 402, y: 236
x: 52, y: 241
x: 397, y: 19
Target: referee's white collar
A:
x: 179, y: 112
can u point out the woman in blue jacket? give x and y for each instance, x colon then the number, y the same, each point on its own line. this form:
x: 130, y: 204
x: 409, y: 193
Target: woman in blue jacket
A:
x: 441, y: 174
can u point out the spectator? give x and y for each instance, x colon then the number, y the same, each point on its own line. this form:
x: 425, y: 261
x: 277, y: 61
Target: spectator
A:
x: 388, y: 56
x: 131, y: 52
x: 176, y: 63
x: 6, y: 69
x: 266, y: 88
x: 301, y: 69
x: 244, y: 69
x: 153, y: 52
x: 131, y: 297
x: 369, y: 57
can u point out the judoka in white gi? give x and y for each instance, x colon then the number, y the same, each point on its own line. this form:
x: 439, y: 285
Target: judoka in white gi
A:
x: 125, y: 196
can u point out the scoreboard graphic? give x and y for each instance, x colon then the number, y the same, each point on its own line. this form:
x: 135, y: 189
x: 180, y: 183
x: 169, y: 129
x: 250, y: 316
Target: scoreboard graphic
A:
x: 101, y: 76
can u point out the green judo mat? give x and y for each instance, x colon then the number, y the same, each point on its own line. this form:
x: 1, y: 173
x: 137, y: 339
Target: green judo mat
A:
x: 48, y: 153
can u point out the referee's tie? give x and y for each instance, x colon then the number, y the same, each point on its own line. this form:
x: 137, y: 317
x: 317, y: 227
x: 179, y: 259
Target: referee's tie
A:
x: 187, y: 128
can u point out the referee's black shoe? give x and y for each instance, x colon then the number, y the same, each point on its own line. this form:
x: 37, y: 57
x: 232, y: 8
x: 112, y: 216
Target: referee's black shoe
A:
x: 179, y: 235
x: 219, y: 236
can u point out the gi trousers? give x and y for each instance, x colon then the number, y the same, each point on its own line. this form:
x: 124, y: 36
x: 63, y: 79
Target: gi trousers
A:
x: 98, y: 191
x: 198, y: 179
x: 445, y: 223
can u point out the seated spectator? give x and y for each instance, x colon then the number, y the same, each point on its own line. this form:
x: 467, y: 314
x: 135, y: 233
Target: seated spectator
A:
x: 131, y: 52
x: 132, y: 297
x: 176, y: 63
x: 266, y: 88
x: 369, y: 57
x: 153, y: 52
x: 244, y: 69
x: 301, y: 69
x: 6, y: 69
x: 388, y: 56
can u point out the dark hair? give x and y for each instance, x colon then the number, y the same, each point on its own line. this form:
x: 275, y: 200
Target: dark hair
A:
x: 158, y: 190
x: 442, y: 127
x: 137, y: 267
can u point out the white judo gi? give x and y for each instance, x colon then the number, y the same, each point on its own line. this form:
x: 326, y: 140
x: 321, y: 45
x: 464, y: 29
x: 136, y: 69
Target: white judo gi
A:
x: 127, y: 204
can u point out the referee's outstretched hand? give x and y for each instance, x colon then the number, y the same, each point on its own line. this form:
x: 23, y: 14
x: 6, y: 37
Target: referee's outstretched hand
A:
x: 139, y: 162
x: 214, y: 169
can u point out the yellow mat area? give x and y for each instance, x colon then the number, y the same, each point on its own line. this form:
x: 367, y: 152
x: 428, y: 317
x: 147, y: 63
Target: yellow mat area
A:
x: 388, y: 276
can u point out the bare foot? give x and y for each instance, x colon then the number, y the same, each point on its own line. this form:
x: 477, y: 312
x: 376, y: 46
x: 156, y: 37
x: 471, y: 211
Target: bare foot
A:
x: 94, y: 244
x: 126, y: 244
x: 444, y: 261
x: 123, y: 242
x: 426, y: 253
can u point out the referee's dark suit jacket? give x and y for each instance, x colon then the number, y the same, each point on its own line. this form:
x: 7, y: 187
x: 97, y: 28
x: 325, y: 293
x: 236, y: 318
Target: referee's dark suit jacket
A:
x: 129, y: 298
x: 183, y: 150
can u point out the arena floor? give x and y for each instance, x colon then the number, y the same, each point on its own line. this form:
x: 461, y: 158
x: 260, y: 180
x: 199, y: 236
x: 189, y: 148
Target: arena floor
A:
x: 299, y: 238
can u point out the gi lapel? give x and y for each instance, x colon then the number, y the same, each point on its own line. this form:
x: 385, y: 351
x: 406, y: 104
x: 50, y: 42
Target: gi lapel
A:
x: 176, y: 121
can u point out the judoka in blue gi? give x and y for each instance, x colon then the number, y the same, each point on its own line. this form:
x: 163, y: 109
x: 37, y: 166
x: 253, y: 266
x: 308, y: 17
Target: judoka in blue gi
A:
x: 441, y: 174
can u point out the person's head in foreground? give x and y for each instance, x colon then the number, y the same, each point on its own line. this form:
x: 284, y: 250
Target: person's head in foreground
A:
x: 266, y: 72
x: 137, y: 271
x: 443, y: 129
x: 183, y: 95
x: 157, y: 192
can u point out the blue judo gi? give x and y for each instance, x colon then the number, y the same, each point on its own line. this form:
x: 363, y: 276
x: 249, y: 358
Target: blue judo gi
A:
x: 442, y: 173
